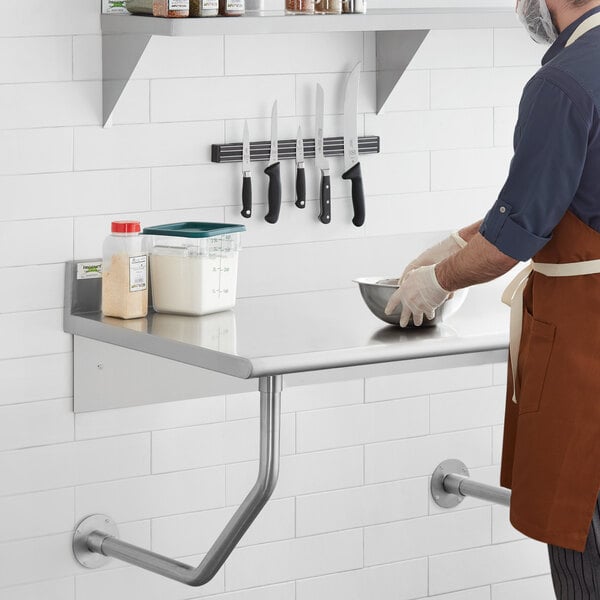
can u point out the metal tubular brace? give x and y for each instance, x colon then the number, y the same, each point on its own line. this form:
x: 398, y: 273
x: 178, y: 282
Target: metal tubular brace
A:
x: 449, y: 487
x: 90, y: 544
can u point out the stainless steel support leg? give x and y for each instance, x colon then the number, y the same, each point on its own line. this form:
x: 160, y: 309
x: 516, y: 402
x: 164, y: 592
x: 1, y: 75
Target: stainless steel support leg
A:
x: 101, y: 542
x: 450, y: 483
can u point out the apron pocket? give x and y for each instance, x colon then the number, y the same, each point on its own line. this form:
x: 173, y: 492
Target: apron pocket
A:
x: 533, y: 368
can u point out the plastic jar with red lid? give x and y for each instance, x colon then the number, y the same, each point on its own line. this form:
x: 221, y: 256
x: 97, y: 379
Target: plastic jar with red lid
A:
x: 124, y: 272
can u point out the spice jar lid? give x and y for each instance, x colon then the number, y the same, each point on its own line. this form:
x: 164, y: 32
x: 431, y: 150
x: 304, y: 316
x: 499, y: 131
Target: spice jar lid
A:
x: 125, y: 227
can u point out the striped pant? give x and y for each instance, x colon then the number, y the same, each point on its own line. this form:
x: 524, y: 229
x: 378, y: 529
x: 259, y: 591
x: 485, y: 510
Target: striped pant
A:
x: 576, y: 575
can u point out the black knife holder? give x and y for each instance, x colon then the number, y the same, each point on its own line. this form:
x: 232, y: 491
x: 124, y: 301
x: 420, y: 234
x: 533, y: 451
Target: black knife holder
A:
x: 261, y: 151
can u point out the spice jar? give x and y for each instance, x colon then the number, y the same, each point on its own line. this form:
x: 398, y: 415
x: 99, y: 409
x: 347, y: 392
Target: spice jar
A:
x: 171, y: 8
x: 300, y: 7
x: 124, y: 272
x: 204, y: 8
x: 354, y: 6
x: 328, y: 7
x: 232, y: 8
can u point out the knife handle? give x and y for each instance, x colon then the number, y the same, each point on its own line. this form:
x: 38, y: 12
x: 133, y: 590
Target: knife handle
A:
x: 325, y: 215
x: 274, y: 173
x: 246, y: 197
x: 358, y: 193
x: 300, y: 188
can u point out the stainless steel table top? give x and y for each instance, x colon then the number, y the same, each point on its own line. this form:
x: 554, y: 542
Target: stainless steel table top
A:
x: 300, y: 332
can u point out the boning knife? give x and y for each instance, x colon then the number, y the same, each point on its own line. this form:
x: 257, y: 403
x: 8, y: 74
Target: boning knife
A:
x: 320, y: 161
x: 351, y: 158
x: 300, y: 176
x: 246, y: 175
x: 273, y: 171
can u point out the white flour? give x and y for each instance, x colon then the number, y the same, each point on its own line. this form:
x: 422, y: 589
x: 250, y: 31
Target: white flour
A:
x: 193, y: 285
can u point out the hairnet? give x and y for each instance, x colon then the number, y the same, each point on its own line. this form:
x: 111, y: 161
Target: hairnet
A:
x: 536, y: 18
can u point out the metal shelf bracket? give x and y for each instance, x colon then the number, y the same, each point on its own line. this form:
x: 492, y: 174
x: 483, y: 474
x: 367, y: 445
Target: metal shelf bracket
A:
x: 120, y: 56
x: 450, y: 484
x: 395, y: 50
x: 96, y: 536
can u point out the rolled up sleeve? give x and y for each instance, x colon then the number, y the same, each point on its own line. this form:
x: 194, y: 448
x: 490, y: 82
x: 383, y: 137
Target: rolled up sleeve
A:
x: 550, y: 147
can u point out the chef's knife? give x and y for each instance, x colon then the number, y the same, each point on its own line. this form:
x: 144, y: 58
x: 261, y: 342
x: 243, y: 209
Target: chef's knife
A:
x: 351, y: 158
x: 320, y: 161
x: 273, y: 171
x: 246, y: 176
x: 300, y: 176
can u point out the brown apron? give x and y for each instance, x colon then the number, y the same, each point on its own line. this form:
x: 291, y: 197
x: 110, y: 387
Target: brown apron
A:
x: 551, y: 445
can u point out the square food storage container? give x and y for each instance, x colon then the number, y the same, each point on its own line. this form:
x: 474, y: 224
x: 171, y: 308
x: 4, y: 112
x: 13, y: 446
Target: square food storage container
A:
x: 193, y: 266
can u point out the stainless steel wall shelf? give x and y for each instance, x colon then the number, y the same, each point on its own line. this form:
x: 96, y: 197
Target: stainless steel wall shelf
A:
x: 260, y: 151
x: 399, y: 34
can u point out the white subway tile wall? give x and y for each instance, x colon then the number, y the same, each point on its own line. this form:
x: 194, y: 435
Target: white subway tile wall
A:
x: 351, y: 516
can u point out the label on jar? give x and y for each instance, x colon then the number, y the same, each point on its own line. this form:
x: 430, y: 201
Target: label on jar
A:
x: 179, y: 4
x: 210, y: 4
x: 235, y: 5
x: 138, y: 273
x: 89, y: 270
x: 113, y: 6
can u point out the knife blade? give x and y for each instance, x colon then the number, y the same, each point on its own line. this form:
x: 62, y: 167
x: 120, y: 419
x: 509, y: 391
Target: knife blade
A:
x: 246, y: 175
x: 351, y: 156
x: 273, y: 172
x: 320, y: 161
x: 300, y: 175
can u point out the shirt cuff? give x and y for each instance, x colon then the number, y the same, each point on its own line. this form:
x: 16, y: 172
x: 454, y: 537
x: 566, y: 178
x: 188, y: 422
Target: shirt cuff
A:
x: 509, y: 237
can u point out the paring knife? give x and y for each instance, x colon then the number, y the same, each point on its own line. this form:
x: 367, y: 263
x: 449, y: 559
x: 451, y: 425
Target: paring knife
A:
x: 351, y: 158
x: 246, y: 180
x: 273, y: 171
x: 320, y: 161
x: 300, y: 176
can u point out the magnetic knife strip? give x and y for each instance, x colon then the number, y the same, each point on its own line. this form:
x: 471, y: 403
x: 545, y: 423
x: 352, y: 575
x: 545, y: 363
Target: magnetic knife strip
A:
x: 261, y: 151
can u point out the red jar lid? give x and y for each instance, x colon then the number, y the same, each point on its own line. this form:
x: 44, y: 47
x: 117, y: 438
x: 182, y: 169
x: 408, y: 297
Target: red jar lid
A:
x: 125, y: 227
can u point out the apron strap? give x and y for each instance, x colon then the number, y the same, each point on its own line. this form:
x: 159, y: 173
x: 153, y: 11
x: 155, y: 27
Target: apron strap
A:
x: 513, y: 297
x: 591, y: 22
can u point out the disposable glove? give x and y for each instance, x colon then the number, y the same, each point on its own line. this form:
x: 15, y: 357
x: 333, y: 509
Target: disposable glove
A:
x: 447, y: 247
x: 420, y: 294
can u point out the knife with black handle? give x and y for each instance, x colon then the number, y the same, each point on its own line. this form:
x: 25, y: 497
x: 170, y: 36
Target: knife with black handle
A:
x: 274, y: 194
x: 246, y: 177
x: 300, y: 175
x: 273, y: 172
x: 246, y: 197
x: 351, y: 153
x: 358, y: 194
x: 320, y: 161
x: 300, y: 187
x: 325, y: 214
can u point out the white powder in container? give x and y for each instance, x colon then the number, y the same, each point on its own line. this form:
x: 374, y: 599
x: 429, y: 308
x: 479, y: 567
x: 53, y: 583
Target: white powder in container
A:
x: 193, y: 285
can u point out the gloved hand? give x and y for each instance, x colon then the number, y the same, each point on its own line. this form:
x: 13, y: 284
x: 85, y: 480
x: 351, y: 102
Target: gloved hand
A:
x: 420, y: 294
x: 447, y: 247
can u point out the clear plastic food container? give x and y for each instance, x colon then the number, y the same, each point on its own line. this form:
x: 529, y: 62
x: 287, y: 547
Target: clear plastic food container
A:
x: 193, y: 266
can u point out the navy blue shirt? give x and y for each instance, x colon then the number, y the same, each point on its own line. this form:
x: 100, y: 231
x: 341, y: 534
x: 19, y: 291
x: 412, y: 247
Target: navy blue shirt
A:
x: 556, y: 162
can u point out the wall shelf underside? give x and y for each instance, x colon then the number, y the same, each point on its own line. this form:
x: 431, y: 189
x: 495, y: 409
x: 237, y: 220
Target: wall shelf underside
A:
x: 399, y: 33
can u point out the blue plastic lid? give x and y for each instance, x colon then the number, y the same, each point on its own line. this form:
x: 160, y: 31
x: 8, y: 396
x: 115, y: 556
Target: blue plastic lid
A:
x: 194, y: 229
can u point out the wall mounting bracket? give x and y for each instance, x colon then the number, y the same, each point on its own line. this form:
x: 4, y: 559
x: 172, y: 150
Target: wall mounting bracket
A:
x: 96, y: 536
x: 450, y: 483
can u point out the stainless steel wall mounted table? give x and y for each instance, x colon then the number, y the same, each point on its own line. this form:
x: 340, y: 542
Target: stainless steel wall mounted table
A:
x: 275, y: 339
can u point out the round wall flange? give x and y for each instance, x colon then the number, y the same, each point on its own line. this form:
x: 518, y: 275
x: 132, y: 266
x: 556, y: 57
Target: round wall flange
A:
x: 83, y: 554
x: 440, y: 496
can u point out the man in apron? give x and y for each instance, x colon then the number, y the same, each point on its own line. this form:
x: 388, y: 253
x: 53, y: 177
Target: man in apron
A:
x: 549, y: 211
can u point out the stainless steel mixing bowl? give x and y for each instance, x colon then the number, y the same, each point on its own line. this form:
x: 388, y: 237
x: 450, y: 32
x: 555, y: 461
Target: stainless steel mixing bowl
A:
x: 376, y: 291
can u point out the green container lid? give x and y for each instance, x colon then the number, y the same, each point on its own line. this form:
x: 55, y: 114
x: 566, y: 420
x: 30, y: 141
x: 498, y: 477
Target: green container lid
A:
x: 194, y: 229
